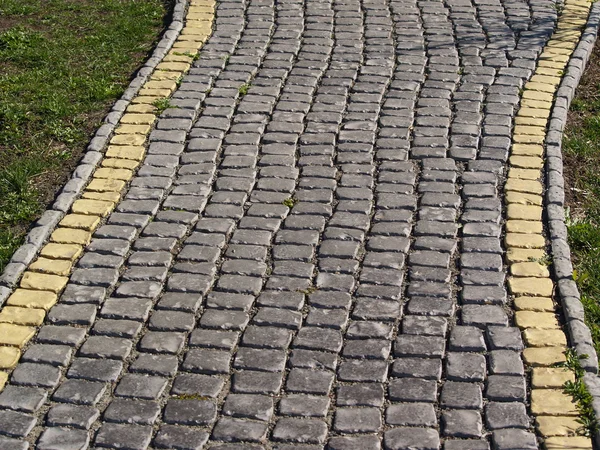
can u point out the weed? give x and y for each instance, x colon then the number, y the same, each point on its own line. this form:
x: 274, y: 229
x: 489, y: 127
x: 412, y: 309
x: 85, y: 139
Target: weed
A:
x: 161, y: 105
x: 545, y: 260
x: 580, y: 394
x: 309, y: 290
x: 191, y: 397
x: 290, y: 202
x: 243, y: 89
x: 225, y: 58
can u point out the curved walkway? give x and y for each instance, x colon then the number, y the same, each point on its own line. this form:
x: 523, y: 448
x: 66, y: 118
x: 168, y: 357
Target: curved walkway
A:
x: 332, y: 237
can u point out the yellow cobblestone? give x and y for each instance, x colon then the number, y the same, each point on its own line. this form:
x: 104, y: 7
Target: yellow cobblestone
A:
x: 524, y: 226
x: 543, y: 356
x: 544, y: 338
x: 133, y: 129
x: 542, y: 87
x: 118, y: 163
x: 536, y: 287
x: 111, y: 197
x: 533, y: 319
x: 526, y: 162
x: 527, y: 186
x: 138, y: 119
x: 156, y: 93
x: 93, y: 207
x: 32, y: 299
x: 527, y: 150
x: 15, y: 335
x: 537, y: 104
x: 550, y: 377
x: 551, y: 402
x: 43, y: 282
x: 538, y: 96
x: 166, y: 84
x: 524, y: 254
x: 52, y: 266
x: 117, y: 174
x: 549, y: 71
x: 523, y: 198
x: 9, y: 357
x: 534, y: 304
x: 552, y: 64
x: 147, y: 99
x: 522, y: 240
x: 557, y: 426
x: 107, y: 184
x: 80, y: 221
x: 71, y: 236
x: 141, y: 108
x: 126, y: 152
x: 528, y: 139
x: 128, y: 139
x: 524, y: 174
x: 61, y: 251
x: 174, y: 66
x: 161, y: 75
x: 529, y: 269
x: 173, y: 56
x: 3, y: 380
x: 553, y: 80
x: 531, y: 121
x: 540, y: 113
x: 22, y: 316
x: 523, y: 212
x: 568, y: 442
x: 534, y: 131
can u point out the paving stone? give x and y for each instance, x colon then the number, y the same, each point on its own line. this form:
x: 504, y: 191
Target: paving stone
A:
x: 37, y: 375
x: 304, y: 405
x: 300, y: 430
x: 513, y: 438
x: 137, y: 411
x: 411, y: 414
x: 180, y: 438
x: 95, y: 369
x: 21, y: 398
x: 357, y: 420
x: 16, y: 424
x: 461, y: 423
x: 79, y: 391
x: 235, y: 430
x: 56, y: 438
x: 189, y: 412
x: 141, y: 386
x: 77, y: 416
x: 130, y: 437
x: 409, y: 437
x: 461, y: 395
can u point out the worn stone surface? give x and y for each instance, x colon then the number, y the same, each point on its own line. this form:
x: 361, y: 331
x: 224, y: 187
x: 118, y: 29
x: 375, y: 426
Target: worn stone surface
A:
x: 306, y: 250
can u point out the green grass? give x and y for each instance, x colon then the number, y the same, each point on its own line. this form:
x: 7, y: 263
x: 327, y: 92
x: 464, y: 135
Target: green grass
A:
x: 62, y: 64
x: 581, y: 146
x: 581, y: 396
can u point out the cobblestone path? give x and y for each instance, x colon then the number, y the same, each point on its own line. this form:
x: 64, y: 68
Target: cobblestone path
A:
x: 311, y: 254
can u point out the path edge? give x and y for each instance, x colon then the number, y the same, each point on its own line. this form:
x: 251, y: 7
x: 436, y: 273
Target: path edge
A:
x: 89, y: 162
x: 567, y: 292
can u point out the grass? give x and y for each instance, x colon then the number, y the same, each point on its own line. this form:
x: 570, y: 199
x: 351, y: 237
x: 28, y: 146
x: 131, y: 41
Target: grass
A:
x: 62, y: 64
x: 581, y: 147
x: 581, y: 396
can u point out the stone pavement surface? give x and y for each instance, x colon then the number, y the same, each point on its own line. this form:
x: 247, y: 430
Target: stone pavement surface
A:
x: 312, y: 253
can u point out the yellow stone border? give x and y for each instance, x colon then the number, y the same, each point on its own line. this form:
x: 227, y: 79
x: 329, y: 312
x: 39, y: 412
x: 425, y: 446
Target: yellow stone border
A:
x: 530, y: 283
x: 46, y: 277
